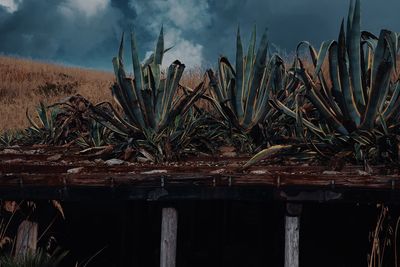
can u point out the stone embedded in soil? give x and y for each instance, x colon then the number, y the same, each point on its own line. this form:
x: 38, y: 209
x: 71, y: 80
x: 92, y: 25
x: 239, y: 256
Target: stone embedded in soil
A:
x: 229, y: 154
x: 142, y: 159
x: 330, y: 172
x: 219, y: 171
x: 75, y: 170
x: 9, y: 151
x: 223, y: 149
x: 12, y: 161
x: 260, y: 172
x: 86, y: 162
x: 54, y: 157
x: 99, y: 161
x: 154, y: 172
x: 30, y: 152
x: 114, y: 162
x: 362, y: 173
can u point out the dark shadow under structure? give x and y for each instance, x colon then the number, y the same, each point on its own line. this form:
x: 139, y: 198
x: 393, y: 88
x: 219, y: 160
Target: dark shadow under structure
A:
x: 216, y: 233
x: 213, y: 213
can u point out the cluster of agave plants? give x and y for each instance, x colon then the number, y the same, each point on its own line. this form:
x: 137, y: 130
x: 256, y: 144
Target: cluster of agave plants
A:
x: 342, y: 100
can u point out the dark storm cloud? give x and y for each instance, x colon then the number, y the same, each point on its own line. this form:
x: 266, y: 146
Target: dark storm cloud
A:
x: 87, y: 33
x: 54, y: 30
x: 292, y: 21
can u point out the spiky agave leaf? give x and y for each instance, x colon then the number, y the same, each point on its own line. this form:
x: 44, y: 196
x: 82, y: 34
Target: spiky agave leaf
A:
x: 264, y: 154
x: 241, y: 94
x: 360, y: 99
x: 149, y: 100
x: 42, y: 129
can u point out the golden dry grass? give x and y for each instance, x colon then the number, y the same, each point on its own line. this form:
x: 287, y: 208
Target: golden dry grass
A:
x: 21, y: 80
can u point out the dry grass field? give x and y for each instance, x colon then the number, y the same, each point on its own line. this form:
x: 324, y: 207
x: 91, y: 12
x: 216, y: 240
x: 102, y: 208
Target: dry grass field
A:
x: 24, y: 83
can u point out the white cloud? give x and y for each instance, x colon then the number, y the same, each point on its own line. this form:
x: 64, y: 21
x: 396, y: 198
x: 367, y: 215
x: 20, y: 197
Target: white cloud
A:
x: 189, y: 53
x: 88, y: 7
x: 10, y: 5
x: 185, y: 14
x: 180, y: 18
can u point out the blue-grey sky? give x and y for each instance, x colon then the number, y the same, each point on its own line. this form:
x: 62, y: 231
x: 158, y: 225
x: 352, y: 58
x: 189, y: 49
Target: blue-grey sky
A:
x: 86, y: 32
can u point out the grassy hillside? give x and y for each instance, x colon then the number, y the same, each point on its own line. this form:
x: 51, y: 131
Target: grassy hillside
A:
x: 24, y: 83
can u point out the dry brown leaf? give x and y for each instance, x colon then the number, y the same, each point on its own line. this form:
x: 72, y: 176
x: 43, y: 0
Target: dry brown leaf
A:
x: 10, y: 206
x: 58, y: 207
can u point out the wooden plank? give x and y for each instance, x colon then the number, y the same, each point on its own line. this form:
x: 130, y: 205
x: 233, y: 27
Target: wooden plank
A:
x: 26, y: 238
x: 292, y: 235
x: 169, y: 231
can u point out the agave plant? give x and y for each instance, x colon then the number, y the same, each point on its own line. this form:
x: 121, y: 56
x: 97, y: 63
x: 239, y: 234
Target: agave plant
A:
x: 357, y: 94
x: 10, y: 137
x: 150, y: 100
x: 97, y: 136
x: 241, y: 94
x: 151, y: 103
x: 43, y: 129
x: 39, y: 258
x: 60, y: 123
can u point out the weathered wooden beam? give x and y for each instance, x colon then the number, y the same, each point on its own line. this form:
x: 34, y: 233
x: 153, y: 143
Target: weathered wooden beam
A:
x: 169, y: 231
x: 26, y: 238
x: 292, y: 234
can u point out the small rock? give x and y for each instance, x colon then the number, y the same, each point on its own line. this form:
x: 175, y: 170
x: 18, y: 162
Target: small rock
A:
x: 142, y: 159
x: 75, y: 170
x: 99, y: 161
x: 10, y: 151
x: 362, y: 173
x: 30, y: 152
x: 231, y: 154
x: 128, y: 153
x: 224, y: 149
x: 12, y: 161
x: 54, y: 157
x: 331, y: 172
x: 85, y: 162
x: 154, y: 172
x: 260, y: 172
x: 233, y: 165
x: 219, y: 171
x: 114, y: 162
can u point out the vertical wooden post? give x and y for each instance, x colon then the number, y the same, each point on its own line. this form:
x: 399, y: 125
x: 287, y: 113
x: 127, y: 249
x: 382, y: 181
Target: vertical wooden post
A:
x: 292, y: 234
x: 169, y: 231
x: 26, y: 238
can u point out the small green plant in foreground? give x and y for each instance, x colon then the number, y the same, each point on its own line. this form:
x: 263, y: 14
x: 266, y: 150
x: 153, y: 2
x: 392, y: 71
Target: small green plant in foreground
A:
x: 40, y: 258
